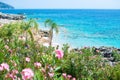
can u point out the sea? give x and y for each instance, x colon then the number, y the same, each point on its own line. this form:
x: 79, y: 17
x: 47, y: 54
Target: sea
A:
x: 79, y: 27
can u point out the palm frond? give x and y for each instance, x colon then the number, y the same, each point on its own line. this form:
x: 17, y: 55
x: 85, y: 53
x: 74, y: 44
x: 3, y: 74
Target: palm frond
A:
x: 55, y: 27
x: 31, y: 35
x: 48, y: 22
x: 33, y: 23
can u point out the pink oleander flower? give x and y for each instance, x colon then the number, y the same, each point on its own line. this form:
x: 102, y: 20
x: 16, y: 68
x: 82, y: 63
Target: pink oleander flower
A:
x: 69, y: 76
x: 27, y: 74
x: 81, y: 52
x: 6, y: 47
x: 73, y: 78
x: 51, y: 74
x: 4, y: 66
x: 10, y: 51
x: 37, y: 64
x: 64, y: 75
x: 14, y: 64
x: 18, y: 78
x: 97, y: 51
x: 1, y: 68
x: 11, y: 76
x: 27, y: 59
x: 14, y: 71
x: 59, y: 54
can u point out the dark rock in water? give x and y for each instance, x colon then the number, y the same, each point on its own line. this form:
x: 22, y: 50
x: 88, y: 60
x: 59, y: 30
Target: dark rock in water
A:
x: 12, y: 16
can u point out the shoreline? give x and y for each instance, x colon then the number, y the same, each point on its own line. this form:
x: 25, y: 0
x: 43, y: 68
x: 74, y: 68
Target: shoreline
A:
x: 56, y: 39
x: 10, y: 18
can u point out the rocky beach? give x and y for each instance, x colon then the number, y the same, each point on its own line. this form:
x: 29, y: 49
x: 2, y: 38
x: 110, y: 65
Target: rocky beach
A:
x: 9, y: 18
x: 24, y: 44
x: 109, y: 54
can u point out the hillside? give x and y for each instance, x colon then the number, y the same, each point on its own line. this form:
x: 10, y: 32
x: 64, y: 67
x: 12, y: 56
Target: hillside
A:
x: 5, y: 6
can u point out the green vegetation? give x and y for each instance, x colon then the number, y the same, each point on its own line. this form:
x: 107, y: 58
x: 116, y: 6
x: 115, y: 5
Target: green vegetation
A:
x: 26, y: 60
x: 53, y: 26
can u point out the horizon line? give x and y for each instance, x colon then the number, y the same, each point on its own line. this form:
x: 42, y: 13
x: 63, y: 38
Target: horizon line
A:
x: 67, y: 8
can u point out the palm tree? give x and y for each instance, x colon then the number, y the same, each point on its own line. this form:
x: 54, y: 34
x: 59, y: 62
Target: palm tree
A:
x: 53, y: 26
x: 27, y: 26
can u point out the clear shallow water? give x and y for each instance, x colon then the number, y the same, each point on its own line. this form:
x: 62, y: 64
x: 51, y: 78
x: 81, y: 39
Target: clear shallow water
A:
x: 81, y: 27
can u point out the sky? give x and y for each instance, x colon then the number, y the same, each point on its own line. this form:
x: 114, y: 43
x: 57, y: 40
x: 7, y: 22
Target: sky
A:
x: 64, y: 4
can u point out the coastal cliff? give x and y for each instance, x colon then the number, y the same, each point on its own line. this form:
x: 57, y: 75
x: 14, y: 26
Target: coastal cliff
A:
x: 5, y: 6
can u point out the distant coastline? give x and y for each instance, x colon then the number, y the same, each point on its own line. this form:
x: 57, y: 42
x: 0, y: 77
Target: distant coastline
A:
x: 5, y: 6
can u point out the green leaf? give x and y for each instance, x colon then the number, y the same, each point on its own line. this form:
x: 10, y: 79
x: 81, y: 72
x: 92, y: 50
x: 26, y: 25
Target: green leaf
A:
x: 58, y: 68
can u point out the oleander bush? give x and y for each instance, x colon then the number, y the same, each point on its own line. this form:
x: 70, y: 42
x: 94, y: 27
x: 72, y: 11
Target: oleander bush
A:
x: 24, y: 59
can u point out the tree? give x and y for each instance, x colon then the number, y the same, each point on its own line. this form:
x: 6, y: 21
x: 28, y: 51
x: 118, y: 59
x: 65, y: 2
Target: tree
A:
x: 53, y: 26
x: 27, y: 26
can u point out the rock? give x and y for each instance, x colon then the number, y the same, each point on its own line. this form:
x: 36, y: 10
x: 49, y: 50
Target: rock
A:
x: 45, y: 40
x: 111, y: 59
x: 76, y: 49
x: 107, y: 54
x: 106, y: 51
x: 111, y: 63
x: 44, y: 33
x: 12, y: 16
x: 118, y: 49
x: 102, y: 49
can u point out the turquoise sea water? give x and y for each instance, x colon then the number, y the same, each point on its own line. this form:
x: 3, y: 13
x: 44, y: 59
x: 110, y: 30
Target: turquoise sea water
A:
x: 81, y: 27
